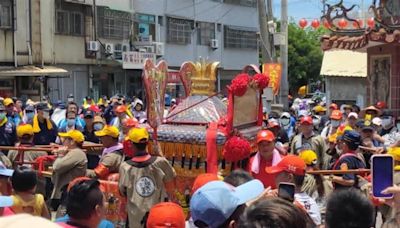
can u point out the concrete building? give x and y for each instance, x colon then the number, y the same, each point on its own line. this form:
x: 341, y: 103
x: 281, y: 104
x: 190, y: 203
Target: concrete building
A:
x: 217, y: 30
x: 58, y: 47
x: 46, y: 47
x: 345, y: 75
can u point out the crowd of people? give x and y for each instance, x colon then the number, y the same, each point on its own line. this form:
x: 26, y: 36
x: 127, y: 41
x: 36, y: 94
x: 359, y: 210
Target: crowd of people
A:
x: 290, y: 146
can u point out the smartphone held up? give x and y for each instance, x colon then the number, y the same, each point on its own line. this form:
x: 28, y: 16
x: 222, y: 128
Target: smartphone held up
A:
x: 382, y: 175
x: 286, y: 191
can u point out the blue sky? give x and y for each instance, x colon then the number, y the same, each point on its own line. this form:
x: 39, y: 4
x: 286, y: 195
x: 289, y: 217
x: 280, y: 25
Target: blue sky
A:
x: 310, y: 9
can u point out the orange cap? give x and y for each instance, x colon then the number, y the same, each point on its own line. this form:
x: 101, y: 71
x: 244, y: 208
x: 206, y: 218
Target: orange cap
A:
x: 203, y: 179
x: 306, y: 120
x: 121, y: 109
x: 166, y: 214
x: 336, y: 115
x: 265, y: 135
x: 333, y: 106
x: 291, y: 164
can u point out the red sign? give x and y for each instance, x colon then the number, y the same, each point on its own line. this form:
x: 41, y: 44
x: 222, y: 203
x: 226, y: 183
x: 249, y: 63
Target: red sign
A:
x: 274, y: 70
x: 173, y: 77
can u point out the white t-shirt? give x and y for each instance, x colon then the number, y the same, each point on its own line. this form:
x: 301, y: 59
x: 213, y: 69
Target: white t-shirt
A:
x: 310, y: 205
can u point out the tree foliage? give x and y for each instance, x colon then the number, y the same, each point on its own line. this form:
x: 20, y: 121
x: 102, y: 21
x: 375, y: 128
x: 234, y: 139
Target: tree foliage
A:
x: 304, y: 56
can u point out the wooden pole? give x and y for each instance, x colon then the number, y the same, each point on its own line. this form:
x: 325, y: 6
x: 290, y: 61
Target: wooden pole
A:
x: 338, y: 172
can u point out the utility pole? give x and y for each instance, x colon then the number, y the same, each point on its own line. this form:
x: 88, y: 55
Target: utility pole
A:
x: 323, y: 7
x: 284, y: 90
x: 265, y: 41
x: 270, y: 18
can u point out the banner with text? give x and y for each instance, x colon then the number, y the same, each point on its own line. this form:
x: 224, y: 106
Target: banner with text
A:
x: 274, y: 70
x: 135, y: 60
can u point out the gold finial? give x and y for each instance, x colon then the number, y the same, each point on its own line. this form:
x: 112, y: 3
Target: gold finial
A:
x: 203, y: 76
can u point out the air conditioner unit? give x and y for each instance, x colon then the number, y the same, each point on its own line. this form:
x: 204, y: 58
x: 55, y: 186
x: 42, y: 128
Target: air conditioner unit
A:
x: 148, y: 38
x: 109, y: 48
x: 149, y: 49
x: 160, y: 48
x: 93, y: 46
x: 214, y: 43
x: 125, y: 47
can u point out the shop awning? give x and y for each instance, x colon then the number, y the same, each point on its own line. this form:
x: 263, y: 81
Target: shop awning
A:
x: 344, y: 63
x: 34, y: 71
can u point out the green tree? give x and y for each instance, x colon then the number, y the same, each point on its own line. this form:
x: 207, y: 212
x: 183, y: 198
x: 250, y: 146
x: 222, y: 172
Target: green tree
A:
x: 304, y: 56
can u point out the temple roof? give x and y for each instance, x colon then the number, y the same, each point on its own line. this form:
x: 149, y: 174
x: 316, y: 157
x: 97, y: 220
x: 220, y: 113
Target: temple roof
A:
x: 197, y: 109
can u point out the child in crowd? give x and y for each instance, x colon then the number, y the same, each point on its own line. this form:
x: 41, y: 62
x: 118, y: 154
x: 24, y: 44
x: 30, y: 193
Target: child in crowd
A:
x: 24, y: 182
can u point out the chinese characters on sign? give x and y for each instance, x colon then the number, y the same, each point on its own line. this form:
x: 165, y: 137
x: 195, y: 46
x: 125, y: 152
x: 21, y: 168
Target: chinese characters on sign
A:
x: 274, y: 70
x: 135, y: 60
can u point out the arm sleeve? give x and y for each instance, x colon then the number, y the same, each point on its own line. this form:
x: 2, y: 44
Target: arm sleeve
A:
x: 293, y: 145
x: 62, y: 165
x: 109, y: 161
x: 326, y: 157
x: 12, y: 154
x: 169, y: 172
x: 122, y: 182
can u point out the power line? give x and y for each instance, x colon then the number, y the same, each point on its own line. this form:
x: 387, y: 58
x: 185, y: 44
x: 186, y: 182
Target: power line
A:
x: 210, y: 8
x: 228, y: 11
x: 187, y: 7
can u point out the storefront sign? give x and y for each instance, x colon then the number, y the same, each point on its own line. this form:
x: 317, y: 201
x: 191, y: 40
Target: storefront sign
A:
x: 274, y: 70
x: 173, y: 77
x: 135, y: 60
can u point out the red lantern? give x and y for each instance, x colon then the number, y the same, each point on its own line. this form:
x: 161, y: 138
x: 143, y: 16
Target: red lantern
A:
x: 315, y: 24
x: 358, y: 24
x: 303, y: 23
x: 327, y: 25
x: 342, y: 23
x: 371, y: 22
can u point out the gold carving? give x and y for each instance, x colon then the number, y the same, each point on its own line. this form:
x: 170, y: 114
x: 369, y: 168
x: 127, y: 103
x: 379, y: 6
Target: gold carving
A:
x: 202, y: 76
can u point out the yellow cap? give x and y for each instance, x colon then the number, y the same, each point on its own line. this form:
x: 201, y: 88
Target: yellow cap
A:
x: 319, y: 108
x: 75, y: 135
x: 395, y: 152
x: 8, y: 101
x: 138, y: 134
x: 108, y: 130
x: 24, y: 129
x: 309, y: 157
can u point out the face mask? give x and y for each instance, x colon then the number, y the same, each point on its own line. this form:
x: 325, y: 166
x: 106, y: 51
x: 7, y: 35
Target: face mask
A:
x: 98, y: 126
x: 30, y: 115
x: 46, y: 115
x: 70, y: 99
x: 316, y: 122
x: 386, y: 123
x: 335, y: 123
x: 71, y: 122
x: 284, y: 121
x: 2, y: 116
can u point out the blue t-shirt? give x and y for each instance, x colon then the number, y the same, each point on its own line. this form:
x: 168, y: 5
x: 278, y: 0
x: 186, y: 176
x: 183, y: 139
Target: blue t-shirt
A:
x: 103, y: 224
